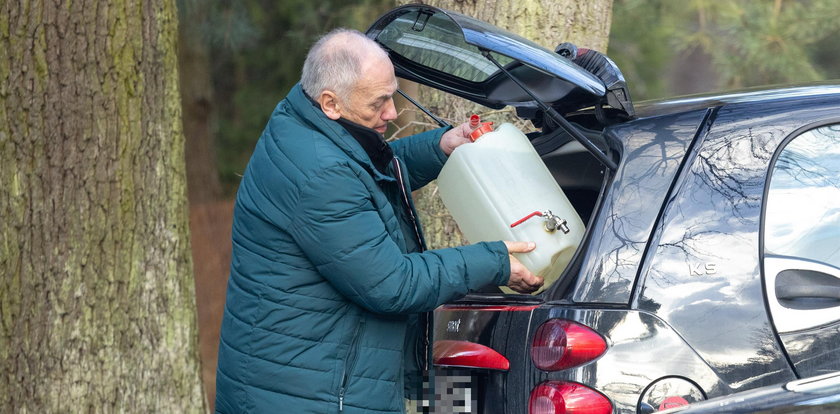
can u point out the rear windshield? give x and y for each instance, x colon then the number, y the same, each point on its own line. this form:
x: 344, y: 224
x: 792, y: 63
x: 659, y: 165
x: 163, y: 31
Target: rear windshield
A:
x: 435, y: 41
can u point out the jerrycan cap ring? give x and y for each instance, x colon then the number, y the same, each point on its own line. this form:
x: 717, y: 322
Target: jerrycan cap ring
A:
x: 479, y: 128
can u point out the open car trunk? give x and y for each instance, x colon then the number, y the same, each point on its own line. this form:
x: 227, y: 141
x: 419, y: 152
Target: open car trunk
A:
x: 477, y: 336
x: 481, y: 341
x: 492, y: 67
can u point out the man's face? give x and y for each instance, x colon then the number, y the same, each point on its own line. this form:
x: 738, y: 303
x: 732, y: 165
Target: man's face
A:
x: 371, y: 101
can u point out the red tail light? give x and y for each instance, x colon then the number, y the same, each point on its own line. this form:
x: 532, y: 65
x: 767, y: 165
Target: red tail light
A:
x: 560, y: 344
x: 555, y: 397
x: 468, y: 354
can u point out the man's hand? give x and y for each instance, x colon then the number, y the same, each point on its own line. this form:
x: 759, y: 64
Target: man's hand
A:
x: 455, y: 137
x: 521, y: 279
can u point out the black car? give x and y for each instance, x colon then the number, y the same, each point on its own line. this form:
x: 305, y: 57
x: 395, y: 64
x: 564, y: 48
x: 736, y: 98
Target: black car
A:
x: 815, y: 395
x: 711, y: 259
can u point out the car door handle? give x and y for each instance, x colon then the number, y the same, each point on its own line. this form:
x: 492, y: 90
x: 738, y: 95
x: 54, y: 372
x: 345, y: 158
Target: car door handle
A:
x: 807, y: 292
x: 801, y: 294
x: 798, y: 284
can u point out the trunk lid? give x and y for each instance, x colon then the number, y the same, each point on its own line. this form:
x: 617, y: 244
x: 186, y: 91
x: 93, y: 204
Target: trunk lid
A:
x: 442, y: 49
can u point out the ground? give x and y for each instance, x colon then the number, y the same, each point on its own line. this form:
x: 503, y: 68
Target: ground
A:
x: 210, y: 225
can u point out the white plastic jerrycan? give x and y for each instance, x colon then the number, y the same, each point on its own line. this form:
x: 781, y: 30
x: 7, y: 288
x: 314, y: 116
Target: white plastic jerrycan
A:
x: 498, y: 188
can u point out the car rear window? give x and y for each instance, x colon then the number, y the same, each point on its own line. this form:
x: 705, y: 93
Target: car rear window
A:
x: 435, y: 41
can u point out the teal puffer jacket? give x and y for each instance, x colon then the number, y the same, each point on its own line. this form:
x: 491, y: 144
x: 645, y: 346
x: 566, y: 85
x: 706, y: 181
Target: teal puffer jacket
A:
x: 322, y: 285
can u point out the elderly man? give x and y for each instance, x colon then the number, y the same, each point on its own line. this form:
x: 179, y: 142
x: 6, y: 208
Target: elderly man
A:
x: 328, y: 275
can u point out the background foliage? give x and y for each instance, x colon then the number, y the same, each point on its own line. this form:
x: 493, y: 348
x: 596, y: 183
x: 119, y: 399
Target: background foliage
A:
x: 664, y: 47
x: 668, y: 47
x: 256, y: 50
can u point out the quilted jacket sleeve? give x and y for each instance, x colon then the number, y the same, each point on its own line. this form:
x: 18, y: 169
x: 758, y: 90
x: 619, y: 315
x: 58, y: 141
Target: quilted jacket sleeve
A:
x: 343, y: 236
x: 422, y: 156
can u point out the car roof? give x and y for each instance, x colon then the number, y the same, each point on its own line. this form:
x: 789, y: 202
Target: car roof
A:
x: 701, y: 101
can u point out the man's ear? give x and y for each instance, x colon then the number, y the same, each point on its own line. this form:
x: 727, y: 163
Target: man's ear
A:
x: 330, y: 104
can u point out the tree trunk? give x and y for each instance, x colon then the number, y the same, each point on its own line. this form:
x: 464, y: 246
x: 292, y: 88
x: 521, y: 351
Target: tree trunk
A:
x: 210, y: 218
x: 203, y: 183
x: 547, y: 22
x: 97, y: 306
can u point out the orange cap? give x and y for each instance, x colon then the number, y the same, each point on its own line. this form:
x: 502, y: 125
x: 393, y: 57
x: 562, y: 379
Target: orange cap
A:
x: 481, y: 130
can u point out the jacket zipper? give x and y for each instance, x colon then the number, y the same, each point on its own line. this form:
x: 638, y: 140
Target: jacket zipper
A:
x: 425, y: 317
x: 408, y: 208
x: 349, y: 364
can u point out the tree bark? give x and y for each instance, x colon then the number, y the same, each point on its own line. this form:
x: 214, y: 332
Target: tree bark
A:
x: 97, y: 306
x: 547, y: 22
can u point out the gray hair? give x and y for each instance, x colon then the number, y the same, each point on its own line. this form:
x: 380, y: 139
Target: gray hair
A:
x: 335, y: 62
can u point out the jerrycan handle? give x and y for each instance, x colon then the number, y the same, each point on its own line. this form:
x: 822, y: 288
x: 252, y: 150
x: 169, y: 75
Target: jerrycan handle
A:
x: 479, y: 128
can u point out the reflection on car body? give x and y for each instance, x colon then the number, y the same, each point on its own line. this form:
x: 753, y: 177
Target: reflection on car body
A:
x: 814, y: 395
x: 710, y: 260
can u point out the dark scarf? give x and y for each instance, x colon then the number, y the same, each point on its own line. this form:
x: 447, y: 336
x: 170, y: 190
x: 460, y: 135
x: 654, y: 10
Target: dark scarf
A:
x: 372, y: 142
x: 377, y: 149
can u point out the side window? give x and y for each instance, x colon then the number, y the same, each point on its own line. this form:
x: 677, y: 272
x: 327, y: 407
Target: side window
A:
x: 802, y: 216
x: 802, y: 238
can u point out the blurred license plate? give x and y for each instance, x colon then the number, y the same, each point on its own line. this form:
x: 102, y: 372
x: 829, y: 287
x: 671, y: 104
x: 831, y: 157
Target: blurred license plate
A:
x: 455, y: 392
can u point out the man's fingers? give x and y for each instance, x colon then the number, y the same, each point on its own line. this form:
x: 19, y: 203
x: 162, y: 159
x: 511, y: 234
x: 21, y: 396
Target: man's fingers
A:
x: 465, y: 129
x: 528, y: 284
x: 532, y: 281
x: 520, y: 247
x: 521, y: 279
x: 454, y: 138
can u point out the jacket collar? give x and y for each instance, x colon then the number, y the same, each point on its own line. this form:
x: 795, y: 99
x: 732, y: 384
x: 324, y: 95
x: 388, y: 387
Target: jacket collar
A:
x: 379, y: 152
x: 303, y: 106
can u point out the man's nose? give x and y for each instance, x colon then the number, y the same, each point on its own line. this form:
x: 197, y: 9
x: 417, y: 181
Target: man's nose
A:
x: 390, y: 111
